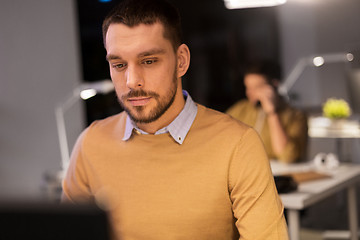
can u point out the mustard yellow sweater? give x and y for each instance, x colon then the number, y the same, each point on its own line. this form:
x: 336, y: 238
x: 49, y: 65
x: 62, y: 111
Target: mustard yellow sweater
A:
x: 216, y: 185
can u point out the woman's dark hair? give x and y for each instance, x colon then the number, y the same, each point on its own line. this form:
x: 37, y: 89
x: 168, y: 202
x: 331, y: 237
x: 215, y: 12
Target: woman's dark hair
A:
x: 269, y: 69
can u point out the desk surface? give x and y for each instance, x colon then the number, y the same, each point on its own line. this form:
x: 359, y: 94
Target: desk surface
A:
x: 313, y: 191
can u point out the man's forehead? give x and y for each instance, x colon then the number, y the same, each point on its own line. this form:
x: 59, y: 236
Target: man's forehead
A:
x: 142, y: 37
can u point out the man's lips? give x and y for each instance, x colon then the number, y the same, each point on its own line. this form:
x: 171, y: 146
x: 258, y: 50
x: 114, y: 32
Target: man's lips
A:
x: 139, y: 101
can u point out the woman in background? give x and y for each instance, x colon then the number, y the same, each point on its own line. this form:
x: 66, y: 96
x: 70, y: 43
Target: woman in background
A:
x: 282, y: 128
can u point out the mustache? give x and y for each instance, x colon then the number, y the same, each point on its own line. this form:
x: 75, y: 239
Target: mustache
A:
x: 139, y: 93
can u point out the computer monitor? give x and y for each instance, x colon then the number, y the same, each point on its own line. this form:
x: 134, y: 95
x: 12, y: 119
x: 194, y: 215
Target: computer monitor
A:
x: 22, y: 221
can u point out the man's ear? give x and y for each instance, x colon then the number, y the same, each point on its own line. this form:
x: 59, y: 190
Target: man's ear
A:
x: 183, y: 60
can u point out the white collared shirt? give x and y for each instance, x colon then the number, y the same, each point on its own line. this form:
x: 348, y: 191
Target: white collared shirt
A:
x: 178, y: 128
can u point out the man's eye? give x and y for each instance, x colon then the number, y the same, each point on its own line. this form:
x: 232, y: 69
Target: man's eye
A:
x: 149, y: 61
x: 119, y: 65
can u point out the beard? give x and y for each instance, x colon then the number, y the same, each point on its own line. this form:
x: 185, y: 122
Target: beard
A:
x: 138, y: 113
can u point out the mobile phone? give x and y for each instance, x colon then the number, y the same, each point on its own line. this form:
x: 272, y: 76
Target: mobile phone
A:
x: 258, y: 104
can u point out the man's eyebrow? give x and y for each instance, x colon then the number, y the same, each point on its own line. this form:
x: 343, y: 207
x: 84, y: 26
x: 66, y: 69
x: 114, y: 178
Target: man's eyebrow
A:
x: 146, y: 53
x: 112, y: 57
x: 150, y: 52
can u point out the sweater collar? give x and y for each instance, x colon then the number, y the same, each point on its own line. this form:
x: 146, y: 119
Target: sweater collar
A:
x: 178, y: 128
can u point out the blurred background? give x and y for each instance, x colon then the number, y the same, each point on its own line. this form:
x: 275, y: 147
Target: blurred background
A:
x: 49, y: 47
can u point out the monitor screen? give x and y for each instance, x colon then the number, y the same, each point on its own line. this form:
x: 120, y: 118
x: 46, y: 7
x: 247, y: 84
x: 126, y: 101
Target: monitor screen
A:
x: 52, y: 221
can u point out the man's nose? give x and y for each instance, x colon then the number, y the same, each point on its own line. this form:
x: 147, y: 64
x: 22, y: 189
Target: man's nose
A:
x: 134, y: 78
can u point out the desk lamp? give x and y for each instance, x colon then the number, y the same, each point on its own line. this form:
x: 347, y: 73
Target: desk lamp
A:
x: 316, y: 61
x: 319, y: 126
x: 52, y: 184
x: 83, y: 91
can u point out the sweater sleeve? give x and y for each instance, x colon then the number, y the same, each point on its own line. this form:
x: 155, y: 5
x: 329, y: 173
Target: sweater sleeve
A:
x: 75, y: 184
x: 256, y: 205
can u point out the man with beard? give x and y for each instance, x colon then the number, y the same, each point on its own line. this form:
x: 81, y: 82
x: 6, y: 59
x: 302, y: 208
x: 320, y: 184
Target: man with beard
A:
x: 166, y: 167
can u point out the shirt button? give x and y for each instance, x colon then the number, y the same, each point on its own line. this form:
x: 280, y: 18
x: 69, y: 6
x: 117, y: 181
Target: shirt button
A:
x: 179, y: 138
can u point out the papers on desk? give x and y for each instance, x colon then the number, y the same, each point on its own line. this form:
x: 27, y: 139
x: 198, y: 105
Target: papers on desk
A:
x: 300, y: 172
x: 301, y: 177
x: 279, y: 168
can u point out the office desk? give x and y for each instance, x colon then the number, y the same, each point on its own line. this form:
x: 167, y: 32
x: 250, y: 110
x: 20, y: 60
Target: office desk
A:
x: 346, y: 176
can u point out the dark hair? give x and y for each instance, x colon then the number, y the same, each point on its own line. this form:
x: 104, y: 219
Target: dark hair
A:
x: 269, y: 69
x: 135, y: 12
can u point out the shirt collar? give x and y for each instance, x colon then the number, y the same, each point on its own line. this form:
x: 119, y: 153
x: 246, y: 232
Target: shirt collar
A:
x: 178, y: 128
